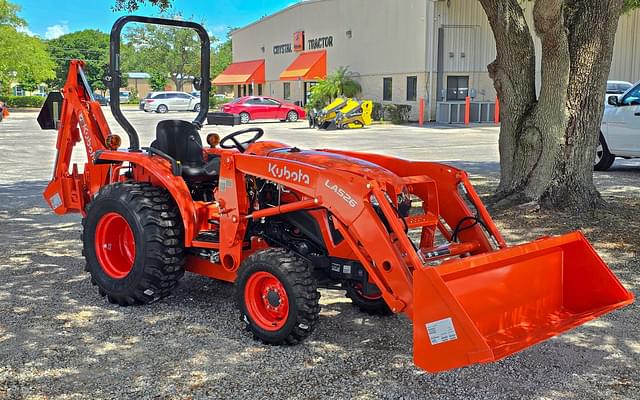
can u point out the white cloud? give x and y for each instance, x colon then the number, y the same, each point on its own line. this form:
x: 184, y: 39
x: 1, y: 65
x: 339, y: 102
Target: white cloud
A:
x: 26, y: 30
x: 57, y: 30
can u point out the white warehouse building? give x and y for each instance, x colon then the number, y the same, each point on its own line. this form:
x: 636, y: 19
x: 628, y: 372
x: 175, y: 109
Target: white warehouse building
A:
x: 399, y: 51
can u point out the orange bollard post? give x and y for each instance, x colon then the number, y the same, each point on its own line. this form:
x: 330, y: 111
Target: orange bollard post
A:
x: 421, y: 112
x: 497, y: 116
x: 467, y: 110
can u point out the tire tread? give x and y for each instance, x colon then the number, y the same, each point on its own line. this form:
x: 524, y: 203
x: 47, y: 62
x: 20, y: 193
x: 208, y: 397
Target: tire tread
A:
x: 164, y: 260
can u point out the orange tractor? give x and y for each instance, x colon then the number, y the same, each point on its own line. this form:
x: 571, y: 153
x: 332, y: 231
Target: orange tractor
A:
x: 280, y: 222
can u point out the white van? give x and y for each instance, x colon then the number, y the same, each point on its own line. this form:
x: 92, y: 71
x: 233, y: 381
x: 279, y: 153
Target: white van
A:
x: 620, y: 129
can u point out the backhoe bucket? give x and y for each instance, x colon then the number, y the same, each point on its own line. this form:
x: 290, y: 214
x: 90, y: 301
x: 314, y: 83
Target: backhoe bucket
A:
x: 485, y: 307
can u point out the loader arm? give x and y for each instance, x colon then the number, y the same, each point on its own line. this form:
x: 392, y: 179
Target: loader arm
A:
x: 482, y: 303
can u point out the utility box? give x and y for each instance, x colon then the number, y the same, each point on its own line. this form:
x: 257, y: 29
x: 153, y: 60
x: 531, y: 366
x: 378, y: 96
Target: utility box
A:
x: 452, y: 112
x: 222, y: 118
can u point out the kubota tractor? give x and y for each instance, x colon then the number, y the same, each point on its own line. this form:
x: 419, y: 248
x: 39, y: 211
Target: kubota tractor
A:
x: 280, y: 222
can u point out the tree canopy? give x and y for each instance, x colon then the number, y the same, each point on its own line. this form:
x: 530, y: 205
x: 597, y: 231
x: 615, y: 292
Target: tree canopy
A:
x: 9, y: 14
x: 91, y: 46
x: 630, y: 5
x: 133, y: 5
x: 168, y: 51
x: 222, y: 56
x: 14, y: 45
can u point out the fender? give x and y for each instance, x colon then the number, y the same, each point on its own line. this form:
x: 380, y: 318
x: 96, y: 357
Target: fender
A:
x: 161, y: 170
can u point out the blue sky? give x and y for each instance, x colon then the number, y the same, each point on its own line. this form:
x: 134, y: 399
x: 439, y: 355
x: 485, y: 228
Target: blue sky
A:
x: 51, y: 18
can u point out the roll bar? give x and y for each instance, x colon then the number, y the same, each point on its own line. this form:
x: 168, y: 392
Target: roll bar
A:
x: 113, y: 79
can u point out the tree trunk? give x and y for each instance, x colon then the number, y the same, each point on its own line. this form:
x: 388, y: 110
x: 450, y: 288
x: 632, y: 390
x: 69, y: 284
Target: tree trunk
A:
x: 592, y: 27
x: 547, y: 143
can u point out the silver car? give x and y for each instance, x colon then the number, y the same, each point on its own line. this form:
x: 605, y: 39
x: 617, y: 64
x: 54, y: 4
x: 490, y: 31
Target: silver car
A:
x: 163, y: 102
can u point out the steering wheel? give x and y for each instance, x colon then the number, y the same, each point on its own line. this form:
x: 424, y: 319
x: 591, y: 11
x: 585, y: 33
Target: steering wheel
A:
x: 241, y: 146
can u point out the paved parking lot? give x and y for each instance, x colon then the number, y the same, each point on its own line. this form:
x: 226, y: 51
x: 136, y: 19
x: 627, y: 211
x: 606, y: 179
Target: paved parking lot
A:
x: 59, y: 339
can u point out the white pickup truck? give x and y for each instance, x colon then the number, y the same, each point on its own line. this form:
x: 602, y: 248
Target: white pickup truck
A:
x: 620, y: 129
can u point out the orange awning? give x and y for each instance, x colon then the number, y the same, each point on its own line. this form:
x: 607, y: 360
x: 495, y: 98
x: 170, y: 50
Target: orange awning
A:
x: 241, y: 73
x: 310, y: 66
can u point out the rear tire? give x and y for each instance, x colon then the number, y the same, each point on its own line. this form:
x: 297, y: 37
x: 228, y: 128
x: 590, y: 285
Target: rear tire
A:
x: 292, y: 116
x: 162, y: 109
x: 244, y: 118
x: 603, y: 158
x: 372, y: 305
x: 133, y: 243
x: 277, y: 296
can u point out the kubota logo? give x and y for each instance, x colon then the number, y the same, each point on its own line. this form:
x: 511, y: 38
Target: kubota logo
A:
x: 341, y: 193
x: 291, y: 176
x: 85, y: 133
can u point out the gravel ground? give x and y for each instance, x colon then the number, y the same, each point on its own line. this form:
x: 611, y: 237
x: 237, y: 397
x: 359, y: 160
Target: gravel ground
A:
x: 59, y: 339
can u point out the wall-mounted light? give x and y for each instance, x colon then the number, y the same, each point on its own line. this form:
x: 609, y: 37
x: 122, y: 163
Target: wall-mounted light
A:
x: 451, y: 55
x: 349, y: 34
x: 262, y: 48
x: 462, y: 55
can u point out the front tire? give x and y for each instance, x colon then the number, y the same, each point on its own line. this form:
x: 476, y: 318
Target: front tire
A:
x: 244, y: 118
x: 196, y: 108
x: 133, y: 243
x: 603, y: 158
x: 277, y: 296
x: 292, y: 116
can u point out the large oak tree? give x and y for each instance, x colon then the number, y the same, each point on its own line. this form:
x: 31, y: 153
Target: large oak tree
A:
x: 548, y: 139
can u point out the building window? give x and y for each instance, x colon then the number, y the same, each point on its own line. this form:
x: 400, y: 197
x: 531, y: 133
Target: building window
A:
x: 286, y: 88
x: 387, y: 89
x: 412, y: 88
x: 457, y: 87
x: 250, y: 89
x: 259, y: 89
x: 18, y: 91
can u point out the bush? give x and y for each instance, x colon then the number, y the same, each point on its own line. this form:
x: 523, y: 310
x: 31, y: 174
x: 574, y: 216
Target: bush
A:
x: 216, y: 102
x: 23, y: 101
x: 378, y: 112
x: 397, y: 113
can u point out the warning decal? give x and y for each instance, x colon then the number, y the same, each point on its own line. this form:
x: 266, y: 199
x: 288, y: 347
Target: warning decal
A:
x: 441, y: 331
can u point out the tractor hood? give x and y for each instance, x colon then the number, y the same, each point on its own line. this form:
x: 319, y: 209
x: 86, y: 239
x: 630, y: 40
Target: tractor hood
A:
x: 329, y: 160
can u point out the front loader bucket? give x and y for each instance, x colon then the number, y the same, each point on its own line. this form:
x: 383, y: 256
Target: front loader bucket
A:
x: 485, y: 307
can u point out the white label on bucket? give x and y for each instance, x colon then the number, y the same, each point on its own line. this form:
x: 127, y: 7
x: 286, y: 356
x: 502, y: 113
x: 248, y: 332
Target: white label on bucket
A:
x: 441, y: 331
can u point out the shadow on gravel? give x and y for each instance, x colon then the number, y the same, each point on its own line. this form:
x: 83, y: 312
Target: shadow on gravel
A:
x: 58, y: 337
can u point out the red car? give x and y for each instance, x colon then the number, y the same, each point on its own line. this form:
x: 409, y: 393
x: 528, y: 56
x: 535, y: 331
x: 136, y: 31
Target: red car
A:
x: 260, y: 107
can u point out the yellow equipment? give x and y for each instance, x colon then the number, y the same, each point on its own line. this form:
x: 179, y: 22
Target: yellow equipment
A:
x: 345, y: 113
x: 327, y: 116
x: 356, y: 114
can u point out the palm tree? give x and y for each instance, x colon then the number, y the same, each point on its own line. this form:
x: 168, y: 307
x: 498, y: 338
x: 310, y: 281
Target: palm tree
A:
x: 345, y: 83
x: 340, y: 82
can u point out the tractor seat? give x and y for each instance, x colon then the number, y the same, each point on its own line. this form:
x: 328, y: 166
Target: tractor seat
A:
x: 181, y: 140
